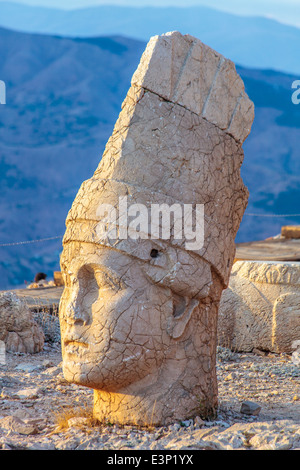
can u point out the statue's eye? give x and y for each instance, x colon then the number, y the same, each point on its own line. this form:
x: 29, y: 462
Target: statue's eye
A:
x: 154, y: 253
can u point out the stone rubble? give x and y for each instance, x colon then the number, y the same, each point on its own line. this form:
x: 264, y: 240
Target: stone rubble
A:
x: 40, y: 410
x: 18, y: 329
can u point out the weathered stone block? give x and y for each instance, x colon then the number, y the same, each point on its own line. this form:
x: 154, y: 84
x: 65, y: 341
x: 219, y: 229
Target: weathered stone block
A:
x: 261, y: 307
x: 291, y: 231
x: 18, y: 330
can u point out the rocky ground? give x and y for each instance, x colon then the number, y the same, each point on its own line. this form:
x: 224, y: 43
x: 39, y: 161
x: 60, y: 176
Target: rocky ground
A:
x: 39, y: 410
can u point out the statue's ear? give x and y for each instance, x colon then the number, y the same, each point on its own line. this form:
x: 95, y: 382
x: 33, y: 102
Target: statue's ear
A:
x: 183, y: 308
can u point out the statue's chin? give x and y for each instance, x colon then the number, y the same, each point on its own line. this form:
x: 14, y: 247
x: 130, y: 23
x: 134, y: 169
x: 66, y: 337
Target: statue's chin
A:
x: 82, y: 373
x: 76, y: 372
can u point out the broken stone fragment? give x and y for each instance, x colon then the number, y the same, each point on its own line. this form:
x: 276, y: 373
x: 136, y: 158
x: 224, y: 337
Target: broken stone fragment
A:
x: 250, y: 408
x: 18, y: 329
x: 260, y: 308
x: 14, y: 424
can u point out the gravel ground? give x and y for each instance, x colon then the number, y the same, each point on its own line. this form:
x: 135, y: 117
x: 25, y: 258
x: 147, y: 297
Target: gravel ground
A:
x: 39, y: 410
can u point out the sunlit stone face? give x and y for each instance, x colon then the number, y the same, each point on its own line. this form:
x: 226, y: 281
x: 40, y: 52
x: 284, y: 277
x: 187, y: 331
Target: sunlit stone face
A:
x: 113, y: 319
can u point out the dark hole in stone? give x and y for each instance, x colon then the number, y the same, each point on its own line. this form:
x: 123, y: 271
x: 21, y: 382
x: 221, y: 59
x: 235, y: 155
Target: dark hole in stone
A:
x: 154, y: 253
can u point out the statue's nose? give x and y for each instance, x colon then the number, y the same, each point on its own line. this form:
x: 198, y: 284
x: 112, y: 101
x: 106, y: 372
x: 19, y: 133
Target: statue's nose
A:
x: 74, y: 313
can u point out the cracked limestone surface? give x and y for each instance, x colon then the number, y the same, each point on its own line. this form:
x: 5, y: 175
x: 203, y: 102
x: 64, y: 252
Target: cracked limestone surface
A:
x: 18, y: 329
x: 260, y: 307
x: 139, y: 313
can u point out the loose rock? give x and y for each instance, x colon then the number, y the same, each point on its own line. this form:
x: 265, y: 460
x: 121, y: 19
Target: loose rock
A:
x: 250, y: 408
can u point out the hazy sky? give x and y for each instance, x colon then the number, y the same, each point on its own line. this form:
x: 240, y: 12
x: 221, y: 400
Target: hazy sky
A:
x: 287, y: 11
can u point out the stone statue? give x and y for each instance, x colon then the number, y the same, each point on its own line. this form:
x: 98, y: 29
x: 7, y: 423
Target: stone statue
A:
x: 260, y: 309
x: 18, y: 329
x: 139, y: 309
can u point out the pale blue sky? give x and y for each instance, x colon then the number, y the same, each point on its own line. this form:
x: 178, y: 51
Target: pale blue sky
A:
x: 286, y: 11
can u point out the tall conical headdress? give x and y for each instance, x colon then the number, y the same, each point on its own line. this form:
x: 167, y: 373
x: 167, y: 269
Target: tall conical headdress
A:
x: 178, y: 140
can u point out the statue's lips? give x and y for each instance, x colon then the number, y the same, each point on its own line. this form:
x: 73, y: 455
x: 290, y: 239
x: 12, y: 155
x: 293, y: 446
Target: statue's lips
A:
x: 75, y: 343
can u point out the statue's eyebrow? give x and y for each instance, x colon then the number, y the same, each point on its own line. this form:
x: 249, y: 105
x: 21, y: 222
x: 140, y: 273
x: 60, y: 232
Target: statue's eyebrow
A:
x: 106, y: 270
x: 92, y: 265
x: 114, y: 277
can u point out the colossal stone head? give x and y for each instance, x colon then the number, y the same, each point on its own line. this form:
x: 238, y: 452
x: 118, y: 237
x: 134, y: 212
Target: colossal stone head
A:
x: 149, y: 241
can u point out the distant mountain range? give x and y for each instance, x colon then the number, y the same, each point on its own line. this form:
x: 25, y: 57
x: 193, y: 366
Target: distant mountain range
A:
x: 63, y: 98
x: 254, y: 42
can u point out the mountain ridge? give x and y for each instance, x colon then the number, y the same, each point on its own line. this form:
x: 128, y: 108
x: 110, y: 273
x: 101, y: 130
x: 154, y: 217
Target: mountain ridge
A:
x: 63, y: 98
x: 269, y: 44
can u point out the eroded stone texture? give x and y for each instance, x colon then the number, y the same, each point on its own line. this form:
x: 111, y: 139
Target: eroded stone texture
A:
x: 261, y: 307
x: 198, y: 78
x: 139, y: 314
x: 18, y: 330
